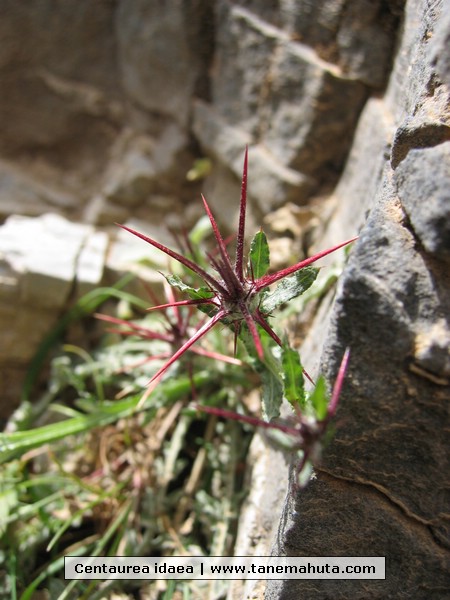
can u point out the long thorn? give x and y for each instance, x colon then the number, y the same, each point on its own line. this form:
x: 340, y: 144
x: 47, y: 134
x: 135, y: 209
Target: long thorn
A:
x: 258, y: 317
x: 227, y: 270
x: 197, y: 335
x: 183, y: 260
x: 133, y: 328
x: 269, y: 279
x: 252, y: 328
x: 228, y: 414
x: 181, y: 303
x: 239, y: 264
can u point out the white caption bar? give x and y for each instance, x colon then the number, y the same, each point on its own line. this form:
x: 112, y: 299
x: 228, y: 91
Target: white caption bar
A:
x: 215, y: 567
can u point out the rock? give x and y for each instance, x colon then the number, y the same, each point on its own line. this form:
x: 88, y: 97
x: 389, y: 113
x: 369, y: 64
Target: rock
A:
x: 422, y: 180
x: 41, y: 254
x: 286, y: 93
x: 358, y: 37
x: 45, y: 262
x: 158, y: 74
x: 141, y: 165
x: 270, y: 183
x: 26, y: 195
x: 383, y: 477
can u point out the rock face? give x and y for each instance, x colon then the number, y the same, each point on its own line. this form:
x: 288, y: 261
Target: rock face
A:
x: 345, y: 107
x: 382, y: 488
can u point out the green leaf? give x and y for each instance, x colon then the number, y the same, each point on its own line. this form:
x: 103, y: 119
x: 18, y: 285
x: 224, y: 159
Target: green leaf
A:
x: 269, y: 370
x: 289, y: 288
x: 14, y: 444
x: 259, y: 255
x: 292, y: 376
x: 202, y: 293
x: 8, y: 500
x: 318, y: 399
x: 86, y: 305
x: 272, y: 395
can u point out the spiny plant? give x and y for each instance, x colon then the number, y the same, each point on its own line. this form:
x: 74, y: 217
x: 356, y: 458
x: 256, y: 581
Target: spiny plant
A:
x: 236, y: 294
x: 177, y: 329
x: 115, y: 476
x: 303, y: 432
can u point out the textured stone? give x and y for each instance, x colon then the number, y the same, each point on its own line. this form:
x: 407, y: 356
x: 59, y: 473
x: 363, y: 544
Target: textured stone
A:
x: 158, y: 74
x: 390, y: 442
x: 42, y: 255
x: 423, y: 187
x: 286, y: 93
x: 369, y: 524
x: 22, y: 194
x: 358, y: 36
x: 38, y: 51
x: 271, y: 182
x: 43, y: 263
x: 142, y: 165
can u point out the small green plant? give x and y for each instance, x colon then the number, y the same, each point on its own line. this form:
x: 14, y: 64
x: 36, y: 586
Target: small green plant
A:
x: 234, y: 296
x: 97, y: 467
x: 99, y: 472
x: 238, y: 293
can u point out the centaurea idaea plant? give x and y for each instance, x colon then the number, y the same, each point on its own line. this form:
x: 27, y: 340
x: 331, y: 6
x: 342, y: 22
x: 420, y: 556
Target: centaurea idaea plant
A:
x: 238, y: 294
x: 235, y: 295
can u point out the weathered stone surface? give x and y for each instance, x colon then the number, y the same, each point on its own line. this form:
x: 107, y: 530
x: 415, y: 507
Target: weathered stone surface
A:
x: 41, y: 254
x: 376, y: 474
x: 23, y: 194
x: 75, y: 81
x: 142, y: 165
x: 44, y: 263
x: 382, y: 487
x: 356, y: 36
x: 418, y: 99
x: 271, y: 182
x: 422, y: 185
x: 286, y: 93
x: 38, y: 51
x: 160, y: 75
x: 362, y: 522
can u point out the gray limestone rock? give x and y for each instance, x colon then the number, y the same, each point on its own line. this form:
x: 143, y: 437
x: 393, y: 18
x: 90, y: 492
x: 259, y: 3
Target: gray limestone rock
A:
x: 283, y: 94
x: 158, y: 74
x: 45, y: 263
x: 422, y: 185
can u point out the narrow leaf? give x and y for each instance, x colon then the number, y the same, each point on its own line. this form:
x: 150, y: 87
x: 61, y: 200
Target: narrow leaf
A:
x: 202, y: 293
x: 272, y: 395
x: 289, y: 288
x: 259, y: 255
x: 292, y: 376
x: 318, y: 399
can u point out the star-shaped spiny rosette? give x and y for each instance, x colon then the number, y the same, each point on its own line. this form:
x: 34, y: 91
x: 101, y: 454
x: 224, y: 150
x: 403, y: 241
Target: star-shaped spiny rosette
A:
x: 234, y: 295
